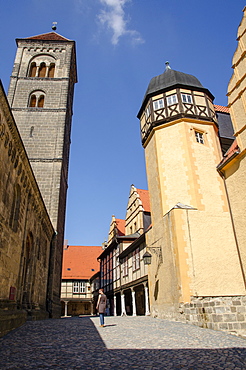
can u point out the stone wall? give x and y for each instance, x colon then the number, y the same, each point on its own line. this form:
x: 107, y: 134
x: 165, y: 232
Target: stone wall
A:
x: 217, y: 313
x: 26, y: 231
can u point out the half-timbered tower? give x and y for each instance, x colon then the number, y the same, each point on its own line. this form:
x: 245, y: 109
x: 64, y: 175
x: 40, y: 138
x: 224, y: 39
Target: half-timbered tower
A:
x: 41, y: 97
x: 191, y: 225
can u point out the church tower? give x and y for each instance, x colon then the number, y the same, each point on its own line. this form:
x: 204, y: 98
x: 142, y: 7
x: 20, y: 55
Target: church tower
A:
x: 41, y: 97
x: 192, y: 235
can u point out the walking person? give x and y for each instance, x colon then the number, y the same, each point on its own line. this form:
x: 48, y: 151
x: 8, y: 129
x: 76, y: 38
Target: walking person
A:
x: 101, y: 306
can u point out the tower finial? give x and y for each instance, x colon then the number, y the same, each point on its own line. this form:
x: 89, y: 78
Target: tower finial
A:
x: 54, y: 26
x: 167, y: 66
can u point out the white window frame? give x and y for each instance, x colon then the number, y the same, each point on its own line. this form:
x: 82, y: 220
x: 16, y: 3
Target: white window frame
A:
x: 147, y: 112
x: 172, y: 99
x: 136, y: 259
x: 158, y: 104
x: 186, y: 98
x: 199, y: 137
x: 79, y: 287
x: 125, y: 266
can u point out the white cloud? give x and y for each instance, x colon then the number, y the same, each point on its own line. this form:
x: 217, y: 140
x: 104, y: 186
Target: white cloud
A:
x: 113, y: 16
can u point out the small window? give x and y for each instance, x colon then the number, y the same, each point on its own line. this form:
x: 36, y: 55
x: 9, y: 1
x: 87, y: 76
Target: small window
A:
x: 33, y: 101
x: 33, y: 69
x: 79, y: 287
x: 42, y: 70
x: 147, y: 112
x: 158, y: 104
x: 172, y: 99
x: 199, y: 137
x: 41, y: 101
x: 51, y: 71
x: 186, y: 98
x: 125, y: 266
x: 136, y: 259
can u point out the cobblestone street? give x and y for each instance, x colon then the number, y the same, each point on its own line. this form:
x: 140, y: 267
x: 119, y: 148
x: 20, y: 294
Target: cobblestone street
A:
x: 124, y: 343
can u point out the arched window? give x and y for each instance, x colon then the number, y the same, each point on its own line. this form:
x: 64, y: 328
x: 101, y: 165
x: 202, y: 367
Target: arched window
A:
x: 41, y: 101
x: 33, y: 100
x: 42, y: 70
x: 33, y: 69
x: 51, y: 71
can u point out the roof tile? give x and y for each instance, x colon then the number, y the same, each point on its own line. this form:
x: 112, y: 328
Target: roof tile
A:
x: 80, y: 262
x: 144, y: 196
x: 50, y: 36
x: 221, y: 108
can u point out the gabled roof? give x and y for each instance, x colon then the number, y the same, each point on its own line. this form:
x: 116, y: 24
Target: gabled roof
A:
x: 221, y: 108
x: 144, y: 197
x: 80, y: 262
x: 50, y: 36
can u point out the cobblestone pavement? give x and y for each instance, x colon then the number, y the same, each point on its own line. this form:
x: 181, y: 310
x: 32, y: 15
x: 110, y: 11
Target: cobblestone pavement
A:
x: 124, y: 343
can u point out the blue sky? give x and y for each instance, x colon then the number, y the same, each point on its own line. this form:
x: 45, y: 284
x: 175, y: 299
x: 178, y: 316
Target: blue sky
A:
x: 121, y: 45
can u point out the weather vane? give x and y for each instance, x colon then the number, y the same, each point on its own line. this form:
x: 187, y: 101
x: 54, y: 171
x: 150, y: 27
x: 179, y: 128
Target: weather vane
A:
x: 54, y: 26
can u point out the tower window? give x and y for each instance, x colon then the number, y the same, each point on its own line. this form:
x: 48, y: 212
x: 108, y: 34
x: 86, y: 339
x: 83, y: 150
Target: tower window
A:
x: 41, y: 101
x: 199, y: 137
x: 147, y: 112
x: 172, y: 99
x: 42, y: 70
x: 186, y: 98
x: 51, y: 71
x: 158, y: 104
x: 33, y: 69
x: 33, y: 101
x: 36, y: 100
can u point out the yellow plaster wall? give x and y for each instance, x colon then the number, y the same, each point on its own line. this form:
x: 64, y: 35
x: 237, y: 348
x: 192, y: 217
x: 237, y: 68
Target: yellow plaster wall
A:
x: 198, y: 247
x: 182, y: 170
x: 235, y: 171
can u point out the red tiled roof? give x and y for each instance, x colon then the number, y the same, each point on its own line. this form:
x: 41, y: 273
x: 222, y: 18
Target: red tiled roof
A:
x: 51, y: 36
x: 234, y: 149
x: 221, y: 108
x: 80, y: 262
x: 144, y: 196
x: 120, y: 224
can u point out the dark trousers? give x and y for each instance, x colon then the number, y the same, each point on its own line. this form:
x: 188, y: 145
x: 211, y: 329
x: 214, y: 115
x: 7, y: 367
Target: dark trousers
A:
x: 101, y: 315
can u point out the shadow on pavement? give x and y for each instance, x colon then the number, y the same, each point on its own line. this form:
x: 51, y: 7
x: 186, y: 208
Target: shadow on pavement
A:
x: 75, y: 343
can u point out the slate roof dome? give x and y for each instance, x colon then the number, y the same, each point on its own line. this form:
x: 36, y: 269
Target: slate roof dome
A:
x: 172, y: 78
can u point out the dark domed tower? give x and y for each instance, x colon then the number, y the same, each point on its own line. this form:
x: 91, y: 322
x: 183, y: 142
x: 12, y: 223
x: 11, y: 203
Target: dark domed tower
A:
x: 41, y: 98
x: 191, y: 223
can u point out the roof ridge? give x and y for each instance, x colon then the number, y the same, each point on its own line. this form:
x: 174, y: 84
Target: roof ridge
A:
x: 49, y: 36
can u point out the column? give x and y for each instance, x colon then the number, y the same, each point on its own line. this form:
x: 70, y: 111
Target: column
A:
x: 66, y: 302
x: 133, y: 303
x: 123, y: 306
x: 115, y: 313
x: 147, y: 312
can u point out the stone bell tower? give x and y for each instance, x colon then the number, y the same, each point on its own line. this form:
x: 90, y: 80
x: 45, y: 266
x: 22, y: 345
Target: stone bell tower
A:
x: 41, y: 97
x: 191, y: 225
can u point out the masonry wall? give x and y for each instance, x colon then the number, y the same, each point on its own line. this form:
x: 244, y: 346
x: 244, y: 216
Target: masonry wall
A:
x: 25, y: 231
x: 46, y: 132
